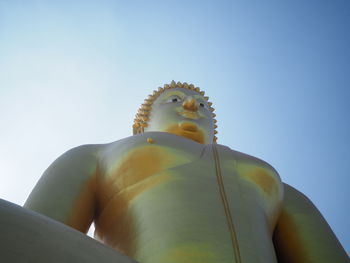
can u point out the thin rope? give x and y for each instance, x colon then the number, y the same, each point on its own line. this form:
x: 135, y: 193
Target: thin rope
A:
x: 225, y: 203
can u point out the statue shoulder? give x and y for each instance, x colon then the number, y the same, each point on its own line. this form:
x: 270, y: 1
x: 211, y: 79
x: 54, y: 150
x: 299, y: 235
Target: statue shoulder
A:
x: 301, y: 220
x: 96, y: 150
x: 292, y: 193
x: 243, y: 159
x: 120, y: 147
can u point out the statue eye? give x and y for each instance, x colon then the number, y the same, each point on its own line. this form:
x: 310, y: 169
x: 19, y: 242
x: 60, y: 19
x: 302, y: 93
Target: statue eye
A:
x: 174, y: 99
x: 201, y: 104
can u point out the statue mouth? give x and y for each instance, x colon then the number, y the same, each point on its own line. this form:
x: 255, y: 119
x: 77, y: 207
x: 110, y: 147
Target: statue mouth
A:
x: 189, y: 115
x: 188, y: 126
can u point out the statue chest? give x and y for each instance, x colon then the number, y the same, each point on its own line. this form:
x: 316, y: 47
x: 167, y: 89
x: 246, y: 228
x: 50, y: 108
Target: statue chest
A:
x: 146, y: 166
x: 185, y: 193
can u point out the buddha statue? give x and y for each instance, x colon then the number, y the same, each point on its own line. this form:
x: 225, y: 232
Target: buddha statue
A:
x: 170, y: 193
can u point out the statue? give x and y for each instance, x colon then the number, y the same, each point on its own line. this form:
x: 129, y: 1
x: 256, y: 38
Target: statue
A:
x: 171, y: 194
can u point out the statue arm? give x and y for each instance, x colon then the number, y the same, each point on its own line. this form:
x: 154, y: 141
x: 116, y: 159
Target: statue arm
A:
x: 27, y: 236
x: 303, y: 235
x: 66, y: 190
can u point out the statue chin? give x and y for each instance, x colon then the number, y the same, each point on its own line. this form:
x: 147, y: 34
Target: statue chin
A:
x: 188, y: 130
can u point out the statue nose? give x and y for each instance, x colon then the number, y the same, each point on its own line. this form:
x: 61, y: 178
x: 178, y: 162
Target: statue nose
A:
x: 190, y: 104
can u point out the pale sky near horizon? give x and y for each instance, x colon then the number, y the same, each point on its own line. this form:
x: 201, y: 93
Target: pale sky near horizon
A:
x: 277, y: 73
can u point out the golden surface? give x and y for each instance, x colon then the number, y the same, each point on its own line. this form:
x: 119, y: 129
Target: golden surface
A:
x: 182, y: 112
x: 172, y: 210
x: 302, y: 235
x: 187, y: 132
x: 142, y: 117
x: 169, y: 196
x: 85, y: 204
x: 176, y: 200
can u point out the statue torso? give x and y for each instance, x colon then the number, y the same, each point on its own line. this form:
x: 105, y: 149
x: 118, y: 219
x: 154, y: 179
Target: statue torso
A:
x: 170, y: 199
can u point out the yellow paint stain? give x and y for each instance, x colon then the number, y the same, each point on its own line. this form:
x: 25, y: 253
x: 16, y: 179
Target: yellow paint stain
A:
x: 137, y: 165
x: 197, y: 135
x: 120, y: 235
x: 141, y: 169
x: 116, y: 226
x: 260, y: 177
x: 290, y: 247
x: 264, y: 180
x: 140, y: 164
x: 82, y: 213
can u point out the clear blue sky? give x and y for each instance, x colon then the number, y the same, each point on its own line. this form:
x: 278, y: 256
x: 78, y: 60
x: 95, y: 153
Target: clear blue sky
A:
x: 278, y: 73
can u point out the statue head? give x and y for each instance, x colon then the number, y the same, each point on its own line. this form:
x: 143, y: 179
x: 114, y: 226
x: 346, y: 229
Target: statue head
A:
x: 178, y: 108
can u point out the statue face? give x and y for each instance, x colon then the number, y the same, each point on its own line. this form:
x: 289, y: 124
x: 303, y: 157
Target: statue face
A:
x: 182, y: 112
